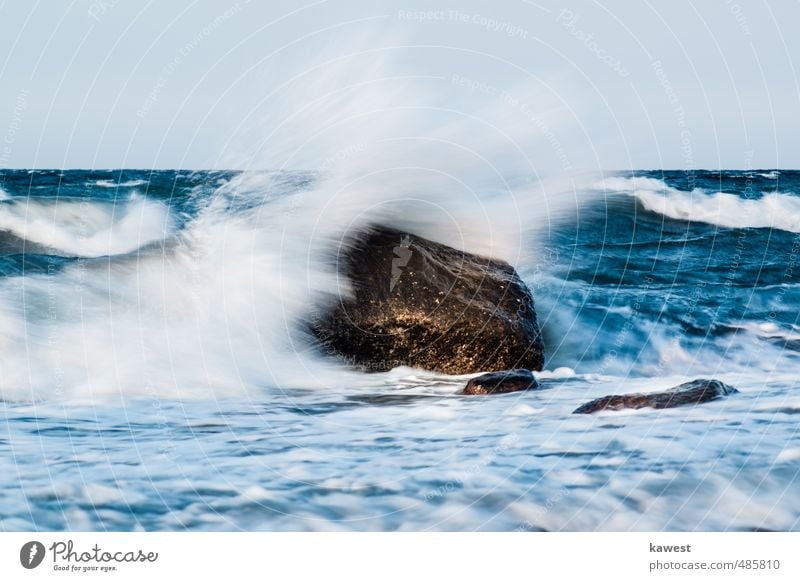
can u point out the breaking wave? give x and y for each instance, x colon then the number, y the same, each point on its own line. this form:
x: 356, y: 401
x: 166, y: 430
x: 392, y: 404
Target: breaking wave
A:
x: 729, y: 210
x: 87, y: 228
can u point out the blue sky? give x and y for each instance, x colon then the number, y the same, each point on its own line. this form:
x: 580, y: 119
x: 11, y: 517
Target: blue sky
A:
x: 593, y: 85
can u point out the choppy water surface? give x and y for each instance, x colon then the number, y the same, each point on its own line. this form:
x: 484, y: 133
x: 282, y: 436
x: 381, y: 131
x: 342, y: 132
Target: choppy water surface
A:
x: 151, y: 378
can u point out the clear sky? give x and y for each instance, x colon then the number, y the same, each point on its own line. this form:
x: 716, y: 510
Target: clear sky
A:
x: 595, y: 85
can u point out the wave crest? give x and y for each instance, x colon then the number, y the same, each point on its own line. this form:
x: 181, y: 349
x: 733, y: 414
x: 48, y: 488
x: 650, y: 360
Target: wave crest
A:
x: 87, y: 229
x: 115, y: 184
x: 780, y: 211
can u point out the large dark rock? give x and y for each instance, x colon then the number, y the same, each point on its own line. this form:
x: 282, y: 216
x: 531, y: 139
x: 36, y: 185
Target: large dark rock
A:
x: 427, y: 305
x: 501, y: 382
x: 693, y: 392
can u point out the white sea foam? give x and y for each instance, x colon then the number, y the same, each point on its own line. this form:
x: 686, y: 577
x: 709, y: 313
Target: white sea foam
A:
x: 632, y: 184
x: 771, y: 210
x: 88, y: 229
x: 558, y: 373
x: 772, y: 331
x: 116, y: 184
x: 788, y: 455
x: 212, y: 314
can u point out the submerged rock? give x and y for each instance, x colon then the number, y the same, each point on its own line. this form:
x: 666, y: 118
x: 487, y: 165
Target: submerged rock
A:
x: 501, y: 382
x: 422, y: 304
x: 693, y: 392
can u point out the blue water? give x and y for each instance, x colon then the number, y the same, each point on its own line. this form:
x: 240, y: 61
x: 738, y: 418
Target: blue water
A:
x: 152, y: 378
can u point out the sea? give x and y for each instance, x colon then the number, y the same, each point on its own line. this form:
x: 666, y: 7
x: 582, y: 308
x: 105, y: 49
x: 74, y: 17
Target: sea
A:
x: 155, y: 374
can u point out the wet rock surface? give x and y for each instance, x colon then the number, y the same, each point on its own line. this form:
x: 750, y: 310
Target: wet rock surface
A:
x: 693, y: 392
x: 501, y: 382
x: 422, y: 304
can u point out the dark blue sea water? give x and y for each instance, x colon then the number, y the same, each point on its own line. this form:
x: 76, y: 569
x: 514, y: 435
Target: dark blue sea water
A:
x: 153, y: 375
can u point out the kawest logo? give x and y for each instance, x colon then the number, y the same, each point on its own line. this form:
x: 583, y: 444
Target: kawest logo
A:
x: 31, y: 554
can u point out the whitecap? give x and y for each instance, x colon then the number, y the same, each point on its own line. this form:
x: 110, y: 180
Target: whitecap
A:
x: 772, y: 210
x: 116, y: 184
x: 73, y: 228
x: 788, y: 455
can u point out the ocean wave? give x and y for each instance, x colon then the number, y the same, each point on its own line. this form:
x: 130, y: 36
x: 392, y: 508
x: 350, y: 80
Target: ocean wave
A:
x: 773, y: 210
x: 780, y: 211
x: 73, y: 228
x: 603, y: 338
x: 115, y: 184
x: 632, y: 184
x: 212, y: 315
x: 772, y: 332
